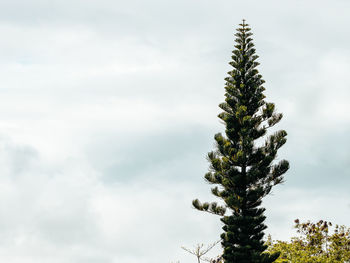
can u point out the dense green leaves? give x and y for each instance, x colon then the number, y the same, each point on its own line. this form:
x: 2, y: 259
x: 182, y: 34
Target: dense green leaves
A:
x: 243, y: 171
x: 316, y: 244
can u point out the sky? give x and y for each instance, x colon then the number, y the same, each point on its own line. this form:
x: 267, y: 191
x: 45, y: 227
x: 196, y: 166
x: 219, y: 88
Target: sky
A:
x: 108, y: 109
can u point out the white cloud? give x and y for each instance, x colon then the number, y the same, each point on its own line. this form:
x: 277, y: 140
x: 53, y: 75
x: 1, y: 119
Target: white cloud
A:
x: 54, y: 215
x: 287, y: 204
x: 108, y: 109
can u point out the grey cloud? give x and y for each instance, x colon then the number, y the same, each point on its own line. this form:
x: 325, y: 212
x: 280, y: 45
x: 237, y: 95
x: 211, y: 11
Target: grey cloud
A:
x: 17, y: 158
x: 171, y: 154
x: 97, y: 92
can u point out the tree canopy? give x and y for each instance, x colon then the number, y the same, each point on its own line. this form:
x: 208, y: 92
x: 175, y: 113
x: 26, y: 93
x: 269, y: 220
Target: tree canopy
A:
x: 243, y: 170
x: 315, y: 244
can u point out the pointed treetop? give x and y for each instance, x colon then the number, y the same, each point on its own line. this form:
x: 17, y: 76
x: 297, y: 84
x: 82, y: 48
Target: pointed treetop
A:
x: 243, y: 29
x: 244, y: 24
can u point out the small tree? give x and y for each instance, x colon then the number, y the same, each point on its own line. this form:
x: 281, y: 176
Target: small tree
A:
x: 199, y: 251
x: 316, y: 244
x: 243, y: 170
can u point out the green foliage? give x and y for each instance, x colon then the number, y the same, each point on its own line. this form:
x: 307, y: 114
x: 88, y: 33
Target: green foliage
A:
x: 314, y: 245
x: 242, y: 171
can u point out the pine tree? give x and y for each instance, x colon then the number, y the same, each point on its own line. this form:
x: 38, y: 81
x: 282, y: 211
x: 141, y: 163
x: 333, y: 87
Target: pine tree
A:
x: 243, y: 169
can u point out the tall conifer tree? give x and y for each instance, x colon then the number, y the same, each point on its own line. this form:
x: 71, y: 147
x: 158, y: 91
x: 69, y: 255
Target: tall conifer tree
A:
x: 243, y: 170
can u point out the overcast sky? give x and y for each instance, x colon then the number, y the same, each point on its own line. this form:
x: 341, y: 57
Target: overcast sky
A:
x: 108, y: 109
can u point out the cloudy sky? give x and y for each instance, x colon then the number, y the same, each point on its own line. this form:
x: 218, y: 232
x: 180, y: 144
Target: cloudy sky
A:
x: 108, y: 108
